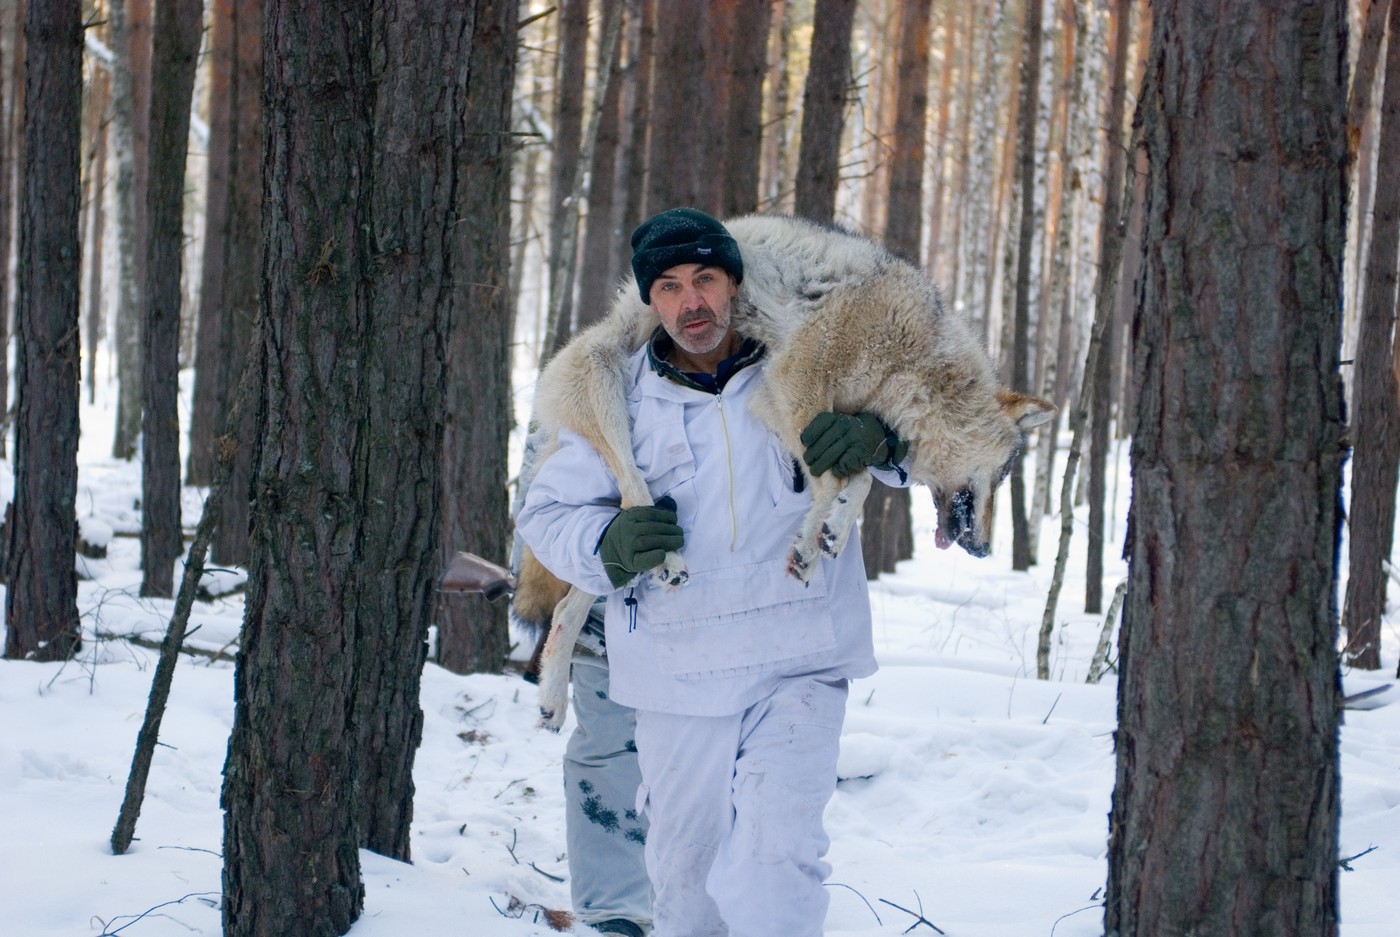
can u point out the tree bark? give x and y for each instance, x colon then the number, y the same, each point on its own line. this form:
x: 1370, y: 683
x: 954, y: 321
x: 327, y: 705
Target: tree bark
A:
x: 674, y: 174
x: 743, y: 137
x: 1225, y: 809
x: 887, y: 534
x: 209, y: 379
x: 131, y: 78
x: 1376, y: 425
x: 600, y: 261
x: 1020, y: 355
x: 361, y: 270
x: 11, y: 147
x: 242, y: 269
x: 97, y: 222
x: 564, y: 169
x: 178, y: 26
x: 1110, y: 257
x: 41, y: 600
x: 823, y: 109
x: 473, y: 635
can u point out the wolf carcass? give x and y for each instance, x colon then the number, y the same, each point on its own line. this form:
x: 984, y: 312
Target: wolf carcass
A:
x: 849, y: 327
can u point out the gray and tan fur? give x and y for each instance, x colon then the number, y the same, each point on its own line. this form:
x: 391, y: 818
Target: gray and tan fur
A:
x: 849, y: 327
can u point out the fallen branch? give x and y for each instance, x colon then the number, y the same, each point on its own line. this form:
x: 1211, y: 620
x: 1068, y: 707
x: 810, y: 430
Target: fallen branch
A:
x: 154, y: 645
x: 248, y: 386
x: 1346, y: 863
x: 858, y: 895
x: 917, y: 914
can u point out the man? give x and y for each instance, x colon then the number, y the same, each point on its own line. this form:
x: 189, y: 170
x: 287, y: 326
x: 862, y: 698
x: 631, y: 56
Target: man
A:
x: 739, y: 678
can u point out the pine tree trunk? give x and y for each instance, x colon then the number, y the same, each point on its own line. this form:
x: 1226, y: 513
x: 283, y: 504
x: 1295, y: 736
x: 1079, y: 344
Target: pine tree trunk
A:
x: 823, y: 109
x: 209, y: 375
x: 242, y: 242
x: 775, y: 192
x: 638, y: 113
x: 11, y: 156
x: 41, y: 610
x: 1376, y: 425
x: 886, y: 535
x: 743, y: 123
x: 178, y: 26
x: 1020, y: 360
x: 1108, y: 282
x: 131, y: 32
x: 473, y: 635
x: 92, y: 320
x: 564, y: 167
x: 680, y: 108
x: 363, y: 224
x: 1225, y: 809
x: 598, y: 269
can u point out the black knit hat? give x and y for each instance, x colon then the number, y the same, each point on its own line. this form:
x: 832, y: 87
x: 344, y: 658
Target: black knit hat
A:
x: 682, y: 236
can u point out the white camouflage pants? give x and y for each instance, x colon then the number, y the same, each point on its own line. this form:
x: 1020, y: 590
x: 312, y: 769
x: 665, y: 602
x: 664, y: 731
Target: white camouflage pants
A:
x: 735, y: 806
x: 604, y: 833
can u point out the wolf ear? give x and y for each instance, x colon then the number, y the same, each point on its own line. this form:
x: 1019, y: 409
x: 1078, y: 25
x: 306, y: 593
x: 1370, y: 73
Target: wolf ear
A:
x: 1025, y: 411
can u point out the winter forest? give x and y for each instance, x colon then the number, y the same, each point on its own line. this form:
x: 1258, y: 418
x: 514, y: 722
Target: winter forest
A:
x: 277, y: 276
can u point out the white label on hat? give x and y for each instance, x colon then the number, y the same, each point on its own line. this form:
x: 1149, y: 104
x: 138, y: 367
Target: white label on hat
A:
x: 704, y: 251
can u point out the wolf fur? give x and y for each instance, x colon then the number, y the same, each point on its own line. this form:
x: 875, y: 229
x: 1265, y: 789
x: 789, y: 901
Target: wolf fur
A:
x: 849, y: 327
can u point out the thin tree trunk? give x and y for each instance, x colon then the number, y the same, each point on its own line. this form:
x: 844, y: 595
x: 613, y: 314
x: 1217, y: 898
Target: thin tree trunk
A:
x: 210, y: 383
x: 775, y: 190
x: 934, y: 262
x: 11, y: 186
x: 638, y: 110
x: 41, y: 598
x: 823, y: 109
x: 599, y: 267
x: 743, y: 124
x: 887, y: 531
x: 178, y: 27
x: 1376, y: 425
x: 565, y: 160
x: 242, y: 265
x: 93, y: 320
x: 131, y: 33
x: 1110, y: 256
x: 1020, y: 360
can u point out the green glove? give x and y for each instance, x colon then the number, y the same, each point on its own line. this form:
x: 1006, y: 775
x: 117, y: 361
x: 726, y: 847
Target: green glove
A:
x: 844, y: 444
x: 637, y: 539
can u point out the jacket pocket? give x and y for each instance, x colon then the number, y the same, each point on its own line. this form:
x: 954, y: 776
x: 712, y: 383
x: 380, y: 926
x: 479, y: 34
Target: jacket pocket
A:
x: 663, y: 455
x: 737, y: 619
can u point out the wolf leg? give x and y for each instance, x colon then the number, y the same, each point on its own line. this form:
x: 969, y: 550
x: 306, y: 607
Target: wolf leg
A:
x: 569, y: 616
x: 806, y: 546
x: 848, y: 504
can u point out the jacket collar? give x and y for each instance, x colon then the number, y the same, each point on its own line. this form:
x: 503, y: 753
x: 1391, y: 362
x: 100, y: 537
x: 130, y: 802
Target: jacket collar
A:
x: 659, y: 349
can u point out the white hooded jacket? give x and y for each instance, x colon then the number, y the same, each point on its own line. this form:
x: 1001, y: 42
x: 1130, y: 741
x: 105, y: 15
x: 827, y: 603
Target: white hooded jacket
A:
x: 719, y: 643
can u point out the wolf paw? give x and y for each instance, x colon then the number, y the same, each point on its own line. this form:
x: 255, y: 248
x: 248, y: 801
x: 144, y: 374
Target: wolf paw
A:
x: 828, y: 542
x: 551, y: 720
x: 799, y: 564
x: 672, y: 572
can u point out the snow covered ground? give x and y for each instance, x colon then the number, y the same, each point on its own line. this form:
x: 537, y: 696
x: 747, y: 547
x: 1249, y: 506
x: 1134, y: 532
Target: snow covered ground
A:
x: 972, y: 793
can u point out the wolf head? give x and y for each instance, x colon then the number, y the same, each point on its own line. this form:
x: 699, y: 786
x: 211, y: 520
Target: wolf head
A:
x: 967, y: 461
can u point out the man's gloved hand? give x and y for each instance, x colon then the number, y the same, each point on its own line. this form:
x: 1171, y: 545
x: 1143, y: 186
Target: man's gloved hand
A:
x: 846, y: 443
x: 638, y: 538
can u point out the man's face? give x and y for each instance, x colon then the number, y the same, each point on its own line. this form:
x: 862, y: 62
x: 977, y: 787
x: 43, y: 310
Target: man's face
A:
x: 693, y: 302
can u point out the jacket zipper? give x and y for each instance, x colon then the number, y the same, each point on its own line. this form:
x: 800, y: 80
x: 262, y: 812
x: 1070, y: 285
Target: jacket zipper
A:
x: 729, y: 461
